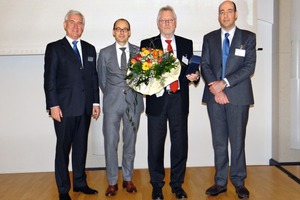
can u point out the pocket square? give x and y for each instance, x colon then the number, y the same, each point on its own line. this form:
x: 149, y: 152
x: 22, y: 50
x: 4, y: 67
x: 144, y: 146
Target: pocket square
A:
x: 90, y: 59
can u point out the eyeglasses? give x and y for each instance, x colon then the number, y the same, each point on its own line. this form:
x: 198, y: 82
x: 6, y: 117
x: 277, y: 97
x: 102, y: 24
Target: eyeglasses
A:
x: 125, y: 30
x: 164, y: 21
x: 223, y: 12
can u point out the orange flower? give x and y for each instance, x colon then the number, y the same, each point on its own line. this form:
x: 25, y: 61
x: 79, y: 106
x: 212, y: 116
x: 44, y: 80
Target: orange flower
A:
x: 149, y: 63
x: 133, y: 61
x: 155, y: 53
x: 160, y: 52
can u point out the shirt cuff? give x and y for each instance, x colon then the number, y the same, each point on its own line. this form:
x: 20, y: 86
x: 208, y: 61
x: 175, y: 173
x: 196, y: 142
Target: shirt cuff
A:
x: 227, y: 83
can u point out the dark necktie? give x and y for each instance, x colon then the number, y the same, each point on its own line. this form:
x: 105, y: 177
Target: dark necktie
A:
x: 225, y: 52
x: 75, y: 49
x: 173, y: 85
x: 123, y: 60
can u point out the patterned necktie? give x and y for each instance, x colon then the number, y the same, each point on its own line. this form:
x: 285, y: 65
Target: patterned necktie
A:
x: 169, y: 47
x: 173, y: 85
x: 75, y: 49
x: 225, y: 52
x: 123, y: 60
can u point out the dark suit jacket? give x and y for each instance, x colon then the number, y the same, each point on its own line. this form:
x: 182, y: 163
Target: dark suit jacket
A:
x: 66, y: 85
x: 184, y: 48
x: 239, y: 69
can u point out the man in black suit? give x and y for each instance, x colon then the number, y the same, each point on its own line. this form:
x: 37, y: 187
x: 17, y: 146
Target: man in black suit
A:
x: 228, y: 62
x: 172, y: 106
x: 72, y: 97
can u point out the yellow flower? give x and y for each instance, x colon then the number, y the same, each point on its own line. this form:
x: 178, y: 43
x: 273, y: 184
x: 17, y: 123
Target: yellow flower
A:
x: 146, y: 66
x: 145, y: 52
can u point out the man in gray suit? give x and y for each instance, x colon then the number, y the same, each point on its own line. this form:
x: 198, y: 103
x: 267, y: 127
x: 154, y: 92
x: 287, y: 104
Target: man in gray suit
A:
x: 228, y: 62
x: 120, y: 103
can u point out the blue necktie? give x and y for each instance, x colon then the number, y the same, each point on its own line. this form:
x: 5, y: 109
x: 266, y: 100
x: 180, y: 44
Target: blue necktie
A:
x: 75, y: 49
x: 225, y: 52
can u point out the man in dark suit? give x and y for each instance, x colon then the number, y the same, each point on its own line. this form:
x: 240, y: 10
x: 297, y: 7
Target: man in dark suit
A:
x: 120, y: 103
x: 228, y: 62
x: 172, y: 106
x: 72, y: 97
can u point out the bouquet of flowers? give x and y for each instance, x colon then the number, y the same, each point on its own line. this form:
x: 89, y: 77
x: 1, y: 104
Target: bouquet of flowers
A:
x: 151, y: 70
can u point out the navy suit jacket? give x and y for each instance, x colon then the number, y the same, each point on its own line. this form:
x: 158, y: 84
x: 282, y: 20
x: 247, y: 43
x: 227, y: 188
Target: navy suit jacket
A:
x: 184, y: 48
x: 66, y: 85
x: 239, y: 69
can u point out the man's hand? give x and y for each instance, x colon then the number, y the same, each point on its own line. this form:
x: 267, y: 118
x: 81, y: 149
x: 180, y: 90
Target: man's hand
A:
x: 216, y: 87
x: 221, y: 98
x: 56, y: 113
x: 193, y: 77
x: 96, y: 112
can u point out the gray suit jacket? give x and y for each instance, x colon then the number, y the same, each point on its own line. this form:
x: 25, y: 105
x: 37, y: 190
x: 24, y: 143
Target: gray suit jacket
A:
x: 112, y: 82
x: 239, y: 69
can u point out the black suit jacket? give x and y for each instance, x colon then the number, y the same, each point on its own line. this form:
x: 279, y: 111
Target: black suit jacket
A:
x: 239, y: 69
x: 184, y: 48
x: 66, y: 85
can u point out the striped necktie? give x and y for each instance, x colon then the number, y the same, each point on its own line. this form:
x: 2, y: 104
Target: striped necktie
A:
x: 76, y: 51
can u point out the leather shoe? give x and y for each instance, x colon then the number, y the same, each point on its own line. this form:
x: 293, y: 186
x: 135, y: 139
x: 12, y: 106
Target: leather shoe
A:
x: 111, y: 190
x: 85, y: 190
x: 157, y: 194
x: 215, y: 190
x: 242, y: 191
x: 130, y: 187
x: 64, y: 197
x: 179, y: 193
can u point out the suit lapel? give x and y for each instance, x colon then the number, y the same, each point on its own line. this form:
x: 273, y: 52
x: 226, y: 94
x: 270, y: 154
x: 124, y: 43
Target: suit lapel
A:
x: 157, y: 42
x: 132, y: 51
x: 69, y: 49
x: 178, y: 49
x: 236, y: 40
x: 84, y: 52
x: 236, y: 43
x: 114, y: 58
x: 218, y: 44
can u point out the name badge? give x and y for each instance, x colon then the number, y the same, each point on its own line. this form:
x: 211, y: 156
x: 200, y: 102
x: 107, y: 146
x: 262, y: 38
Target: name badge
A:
x: 240, y: 52
x: 185, y: 60
x: 90, y: 59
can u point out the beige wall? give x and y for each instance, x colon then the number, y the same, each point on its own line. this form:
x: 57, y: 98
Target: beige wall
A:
x: 281, y: 150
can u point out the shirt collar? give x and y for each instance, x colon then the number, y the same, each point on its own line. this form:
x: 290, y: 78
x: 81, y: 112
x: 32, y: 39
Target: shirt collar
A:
x: 231, y: 32
x: 119, y: 46
x: 163, y: 38
x: 70, y: 40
